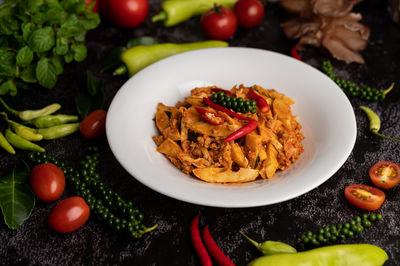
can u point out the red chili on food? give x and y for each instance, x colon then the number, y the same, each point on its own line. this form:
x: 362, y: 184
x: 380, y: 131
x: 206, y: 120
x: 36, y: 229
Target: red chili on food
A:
x: 261, y: 102
x: 252, y: 125
x: 222, y: 90
x: 210, y: 117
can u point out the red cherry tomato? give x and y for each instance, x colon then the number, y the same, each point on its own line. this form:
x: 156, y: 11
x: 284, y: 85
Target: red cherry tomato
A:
x: 249, y: 12
x: 94, y: 124
x: 95, y: 6
x: 385, y: 174
x: 69, y: 215
x: 364, y: 197
x: 47, y: 182
x: 125, y: 13
x: 219, y: 23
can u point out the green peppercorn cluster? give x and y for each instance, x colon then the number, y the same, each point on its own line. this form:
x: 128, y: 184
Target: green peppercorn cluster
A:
x: 334, y: 233
x: 236, y: 104
x: 106, y: 204
x: 352, y: 89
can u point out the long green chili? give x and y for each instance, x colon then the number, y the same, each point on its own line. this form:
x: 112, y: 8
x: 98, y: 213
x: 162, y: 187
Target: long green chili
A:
x: 5, y: 144
x: 176, y: 11
x: 375, y: 123
x: 59, y: 131
x: 31, y: 114
x: 53, y: 120
x: 23, y: 131
x: 21, y: 143
x: 271, y: 247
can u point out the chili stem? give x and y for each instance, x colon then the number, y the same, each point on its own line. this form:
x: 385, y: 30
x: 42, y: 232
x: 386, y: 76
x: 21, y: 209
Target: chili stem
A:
x: 383, y: 136
x: 389, y: 89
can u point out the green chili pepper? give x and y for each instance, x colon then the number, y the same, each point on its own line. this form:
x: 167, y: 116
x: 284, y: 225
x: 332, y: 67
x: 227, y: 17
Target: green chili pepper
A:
x: 59, y: 131
x: 21, y: 143
x: 23, y: 131
x: 375, y: 123
x: 336, y: 255
x: 53, y: 120
x: 138, y: 57
x: 271, y: 247
x: 176, y: 11
x: 5, y: 144
x: 31, y: 114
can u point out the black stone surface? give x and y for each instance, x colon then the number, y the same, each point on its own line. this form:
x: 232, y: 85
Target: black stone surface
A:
x: 94, y: 244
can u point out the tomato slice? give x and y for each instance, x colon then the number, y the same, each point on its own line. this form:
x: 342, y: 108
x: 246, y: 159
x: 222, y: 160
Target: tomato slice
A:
x: 364, y: 197
x: 385, y: 174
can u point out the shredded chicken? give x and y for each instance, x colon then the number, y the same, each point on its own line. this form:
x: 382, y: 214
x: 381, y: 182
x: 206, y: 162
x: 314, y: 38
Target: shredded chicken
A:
x: 329, y: 24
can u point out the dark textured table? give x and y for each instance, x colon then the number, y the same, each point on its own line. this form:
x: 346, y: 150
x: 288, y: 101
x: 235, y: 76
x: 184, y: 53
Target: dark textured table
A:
x: 94, y: 244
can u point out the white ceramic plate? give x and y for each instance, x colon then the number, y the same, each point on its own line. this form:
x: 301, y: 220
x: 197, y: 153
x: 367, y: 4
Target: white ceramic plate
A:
x: 326, y: 115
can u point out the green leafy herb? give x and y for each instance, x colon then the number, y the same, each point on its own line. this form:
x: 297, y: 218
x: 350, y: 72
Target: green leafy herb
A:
x: 16, y: 198
x: 93, y: 99
x: 37, y: 37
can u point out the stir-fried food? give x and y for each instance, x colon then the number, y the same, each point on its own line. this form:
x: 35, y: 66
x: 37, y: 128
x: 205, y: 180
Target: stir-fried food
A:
x: 224, y: 136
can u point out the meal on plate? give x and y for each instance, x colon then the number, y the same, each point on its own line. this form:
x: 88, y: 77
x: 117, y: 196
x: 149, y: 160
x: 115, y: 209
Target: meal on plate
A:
x: 236, y: 135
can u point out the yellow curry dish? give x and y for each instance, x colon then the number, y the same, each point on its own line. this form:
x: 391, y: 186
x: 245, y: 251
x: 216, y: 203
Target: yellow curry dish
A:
x: 230, y: 136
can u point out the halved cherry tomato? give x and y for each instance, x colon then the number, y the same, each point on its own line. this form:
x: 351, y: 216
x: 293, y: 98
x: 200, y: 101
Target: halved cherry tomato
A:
x: 47, y: 182
x: 94, y: 124
x: 69, y: 215
x: 385, y: 174
x: 364, y: 197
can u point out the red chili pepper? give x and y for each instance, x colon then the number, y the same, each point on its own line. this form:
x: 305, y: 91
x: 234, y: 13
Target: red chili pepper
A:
x: 198, y: 244
x: 222, y: 90
x: 294, y: 53
x: 210, y: 117
x: 223, y: 109
x: 217, y: 254
x: 252, y: 125
x: 261, y: 102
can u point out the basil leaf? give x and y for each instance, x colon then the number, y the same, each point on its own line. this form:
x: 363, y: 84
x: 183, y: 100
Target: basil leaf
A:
x: 79, y: 51
x: 33, y: 5
x: 58, y: 62
x: 28, y: 74
x: 16, y: 199
x: 24, y: 56
x: 8, y: 87
x: 93, y: 100
x: 7, y: 63
x: 46, y: 73
x: 61, y: 45
x: 42, y: 40
x: 27, y: 29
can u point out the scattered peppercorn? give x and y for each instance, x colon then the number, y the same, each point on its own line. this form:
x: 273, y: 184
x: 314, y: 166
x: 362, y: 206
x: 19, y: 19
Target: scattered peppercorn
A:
x: 352, y: 89
x: 106, y: 204
x: 236, y: 104
x: 334, y: 233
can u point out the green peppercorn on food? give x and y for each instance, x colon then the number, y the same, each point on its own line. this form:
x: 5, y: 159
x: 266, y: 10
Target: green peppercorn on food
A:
x: 234, y: 103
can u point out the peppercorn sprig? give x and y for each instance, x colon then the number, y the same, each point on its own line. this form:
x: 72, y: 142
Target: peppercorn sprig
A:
x: 352, y: 89
x: 334, y: 233
x: 107, y: 205
x: 236, y: 104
